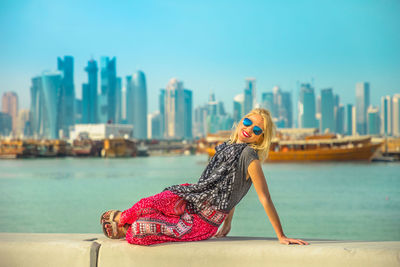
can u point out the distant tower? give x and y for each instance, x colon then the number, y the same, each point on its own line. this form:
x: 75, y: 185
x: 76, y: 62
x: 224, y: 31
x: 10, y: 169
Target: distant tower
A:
x: 327, y: 111
x: 362, y: 104
x: 307, y: 107
x: 249, y: 95
x: 396, y: 115
x: 349, y: 119
x: 373, y: 121
x: 136, y: 98
x: 109, y: 88
x: 67, y: 94
x: 89, y: 94
x: 10, y: 107
x: 174, y: 109
x: 238, y: 111
x: 386, y: 115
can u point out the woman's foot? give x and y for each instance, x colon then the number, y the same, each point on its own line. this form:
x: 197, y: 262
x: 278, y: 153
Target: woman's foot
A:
x: 109, y: 220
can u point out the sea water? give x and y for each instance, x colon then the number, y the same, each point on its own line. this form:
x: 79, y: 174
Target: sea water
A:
x: 349, y: 201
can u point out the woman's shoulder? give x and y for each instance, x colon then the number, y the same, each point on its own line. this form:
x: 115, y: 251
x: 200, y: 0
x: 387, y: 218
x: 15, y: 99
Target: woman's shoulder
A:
x: 249, y: 152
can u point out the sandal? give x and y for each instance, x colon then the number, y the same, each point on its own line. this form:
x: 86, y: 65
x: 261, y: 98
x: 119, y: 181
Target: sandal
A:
x: 110, y: 221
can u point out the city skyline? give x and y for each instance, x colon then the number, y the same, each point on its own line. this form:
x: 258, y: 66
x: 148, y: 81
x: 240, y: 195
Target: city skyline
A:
x: 214, y: 52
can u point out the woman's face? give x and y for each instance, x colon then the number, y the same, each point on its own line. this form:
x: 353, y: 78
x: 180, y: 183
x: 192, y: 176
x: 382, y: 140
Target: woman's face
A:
x: 246, y: 133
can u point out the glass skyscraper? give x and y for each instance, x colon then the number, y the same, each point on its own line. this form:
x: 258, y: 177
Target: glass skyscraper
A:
x: 373, y: 121
x: 109, y: 88
x: 396, y: 115
x: 307, y: 107
x: 386, y: 115
x: 249, y: 101
x: 349, y: 119
x: 89, y: 94
x: 136, y: 103
x: 362, y: 104
x: 327, y: 111
x: 67, y: 94
x: 188, y: 107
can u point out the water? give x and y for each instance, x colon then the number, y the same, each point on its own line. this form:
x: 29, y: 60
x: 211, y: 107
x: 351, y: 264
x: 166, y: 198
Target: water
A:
x: 350, y: 201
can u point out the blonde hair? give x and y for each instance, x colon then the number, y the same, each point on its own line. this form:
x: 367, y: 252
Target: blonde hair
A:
x: 262, y: 147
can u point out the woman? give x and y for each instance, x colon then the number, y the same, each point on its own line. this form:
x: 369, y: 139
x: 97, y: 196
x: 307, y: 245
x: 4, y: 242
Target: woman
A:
x: 192, y: 212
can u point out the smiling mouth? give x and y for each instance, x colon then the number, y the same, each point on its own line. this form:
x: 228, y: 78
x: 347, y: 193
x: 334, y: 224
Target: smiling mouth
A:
x: 245, y: 134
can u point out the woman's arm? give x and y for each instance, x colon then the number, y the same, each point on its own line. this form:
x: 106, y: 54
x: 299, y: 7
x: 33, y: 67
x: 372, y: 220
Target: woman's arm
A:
x: 260, y: 184
x: 226, y: 227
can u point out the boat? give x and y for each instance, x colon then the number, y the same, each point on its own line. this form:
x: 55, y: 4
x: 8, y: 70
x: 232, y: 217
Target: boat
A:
x: 85, y: 147
x: 118, y: 147
x: 11, y: 149
x: 340, y: 149
x: 312, y: 148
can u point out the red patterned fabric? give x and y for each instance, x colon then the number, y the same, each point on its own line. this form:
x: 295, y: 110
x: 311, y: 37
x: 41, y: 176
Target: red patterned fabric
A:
x: 164, y: 218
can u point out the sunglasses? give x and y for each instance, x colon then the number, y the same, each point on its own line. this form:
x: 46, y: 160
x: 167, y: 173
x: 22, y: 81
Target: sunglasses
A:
x: 256, y: 130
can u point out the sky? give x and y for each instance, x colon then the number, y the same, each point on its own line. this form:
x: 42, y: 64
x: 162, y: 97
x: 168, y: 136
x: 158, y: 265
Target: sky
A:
x: 212, y: 46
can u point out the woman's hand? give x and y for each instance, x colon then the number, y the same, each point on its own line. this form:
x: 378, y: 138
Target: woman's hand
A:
x: 225, y: 229
x: 287, y: 241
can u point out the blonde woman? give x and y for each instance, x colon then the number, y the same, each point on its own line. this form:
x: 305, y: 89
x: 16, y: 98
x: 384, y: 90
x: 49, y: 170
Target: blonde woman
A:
x: 192, y: 212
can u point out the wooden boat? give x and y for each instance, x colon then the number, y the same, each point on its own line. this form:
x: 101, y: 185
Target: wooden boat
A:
x: 343, y: 149
x: 17, y: 149
x: 86, y: 148
x: 314, y: 149
x: 118, y: 147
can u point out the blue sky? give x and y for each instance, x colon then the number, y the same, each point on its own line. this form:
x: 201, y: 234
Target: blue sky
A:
x: 209, y: 45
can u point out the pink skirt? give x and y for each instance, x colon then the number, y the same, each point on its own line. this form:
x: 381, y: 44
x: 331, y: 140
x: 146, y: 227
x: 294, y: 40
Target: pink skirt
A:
x: 164, y: 218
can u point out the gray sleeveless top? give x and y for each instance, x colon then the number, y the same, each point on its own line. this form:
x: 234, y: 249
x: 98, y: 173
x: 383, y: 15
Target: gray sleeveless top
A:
x: 240, y: 185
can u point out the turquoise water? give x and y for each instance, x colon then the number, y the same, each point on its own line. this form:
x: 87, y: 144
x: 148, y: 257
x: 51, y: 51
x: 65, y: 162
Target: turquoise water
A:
x: 350, y: 201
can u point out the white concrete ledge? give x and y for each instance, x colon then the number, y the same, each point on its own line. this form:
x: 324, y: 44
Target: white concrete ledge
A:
x: 73, y: 250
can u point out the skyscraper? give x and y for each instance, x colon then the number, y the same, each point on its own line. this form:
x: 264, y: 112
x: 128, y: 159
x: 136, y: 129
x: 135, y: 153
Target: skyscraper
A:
x: 386, y: 115
x: 307, y: 107
x: 174, y: 109
x: 349, y: 119
x: 238, y: 110
x: 327, y: 111
x: 249, y: 95
x: 200, y: 121
x: 10, y: 107
x: 396, y: 115
x: 22, y: 123
x: 136, y: 102
x: 109, y: 88
x: 161, y: 103
x: 89, y: 94
x: 339, y: 118
x: 5, y: 124
x: 267, y: 101
x: 187, y: 119
x: 67, y: 94
x: 373, y: 121
x: 362, y: 104
x: 119, y: 101
x: 45, y: 92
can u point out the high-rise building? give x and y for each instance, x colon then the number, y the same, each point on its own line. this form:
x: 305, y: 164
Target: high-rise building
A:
x: 136, y: 102
x: 339, y: 119
x: 267, y: 101
x: 119, y: 101
x: 89, y: 94
x: 67, y: 94
x: 200, y: 121
x: 306, y: 107
x: 45, y: 92
x: 154, y: 126
x: 362, y: 104
x: 386, y: 115
x: 373, y: 121
x: 5, y: 124
x: 396, y: 115
x: 22, y: 123
x: 238, y: 103
x: 10, y: 106
x: 349, y: 119
x: 161, y: 103
x: 250, y: 99
x: 327, y: 111
x: 109, y: 88
x: 174, y: 109
x: 187, y: 115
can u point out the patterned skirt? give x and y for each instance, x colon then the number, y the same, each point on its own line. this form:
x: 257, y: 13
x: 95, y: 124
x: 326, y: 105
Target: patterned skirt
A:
x: 164, y: 218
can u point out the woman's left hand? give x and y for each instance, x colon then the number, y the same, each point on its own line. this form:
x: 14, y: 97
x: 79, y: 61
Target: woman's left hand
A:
x: 287, y: 241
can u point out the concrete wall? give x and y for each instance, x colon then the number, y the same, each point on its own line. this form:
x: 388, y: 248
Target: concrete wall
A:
x: 96, y: 250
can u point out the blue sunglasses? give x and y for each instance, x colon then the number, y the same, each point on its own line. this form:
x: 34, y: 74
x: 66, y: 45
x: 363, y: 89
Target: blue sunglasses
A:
x: 256, y: 130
